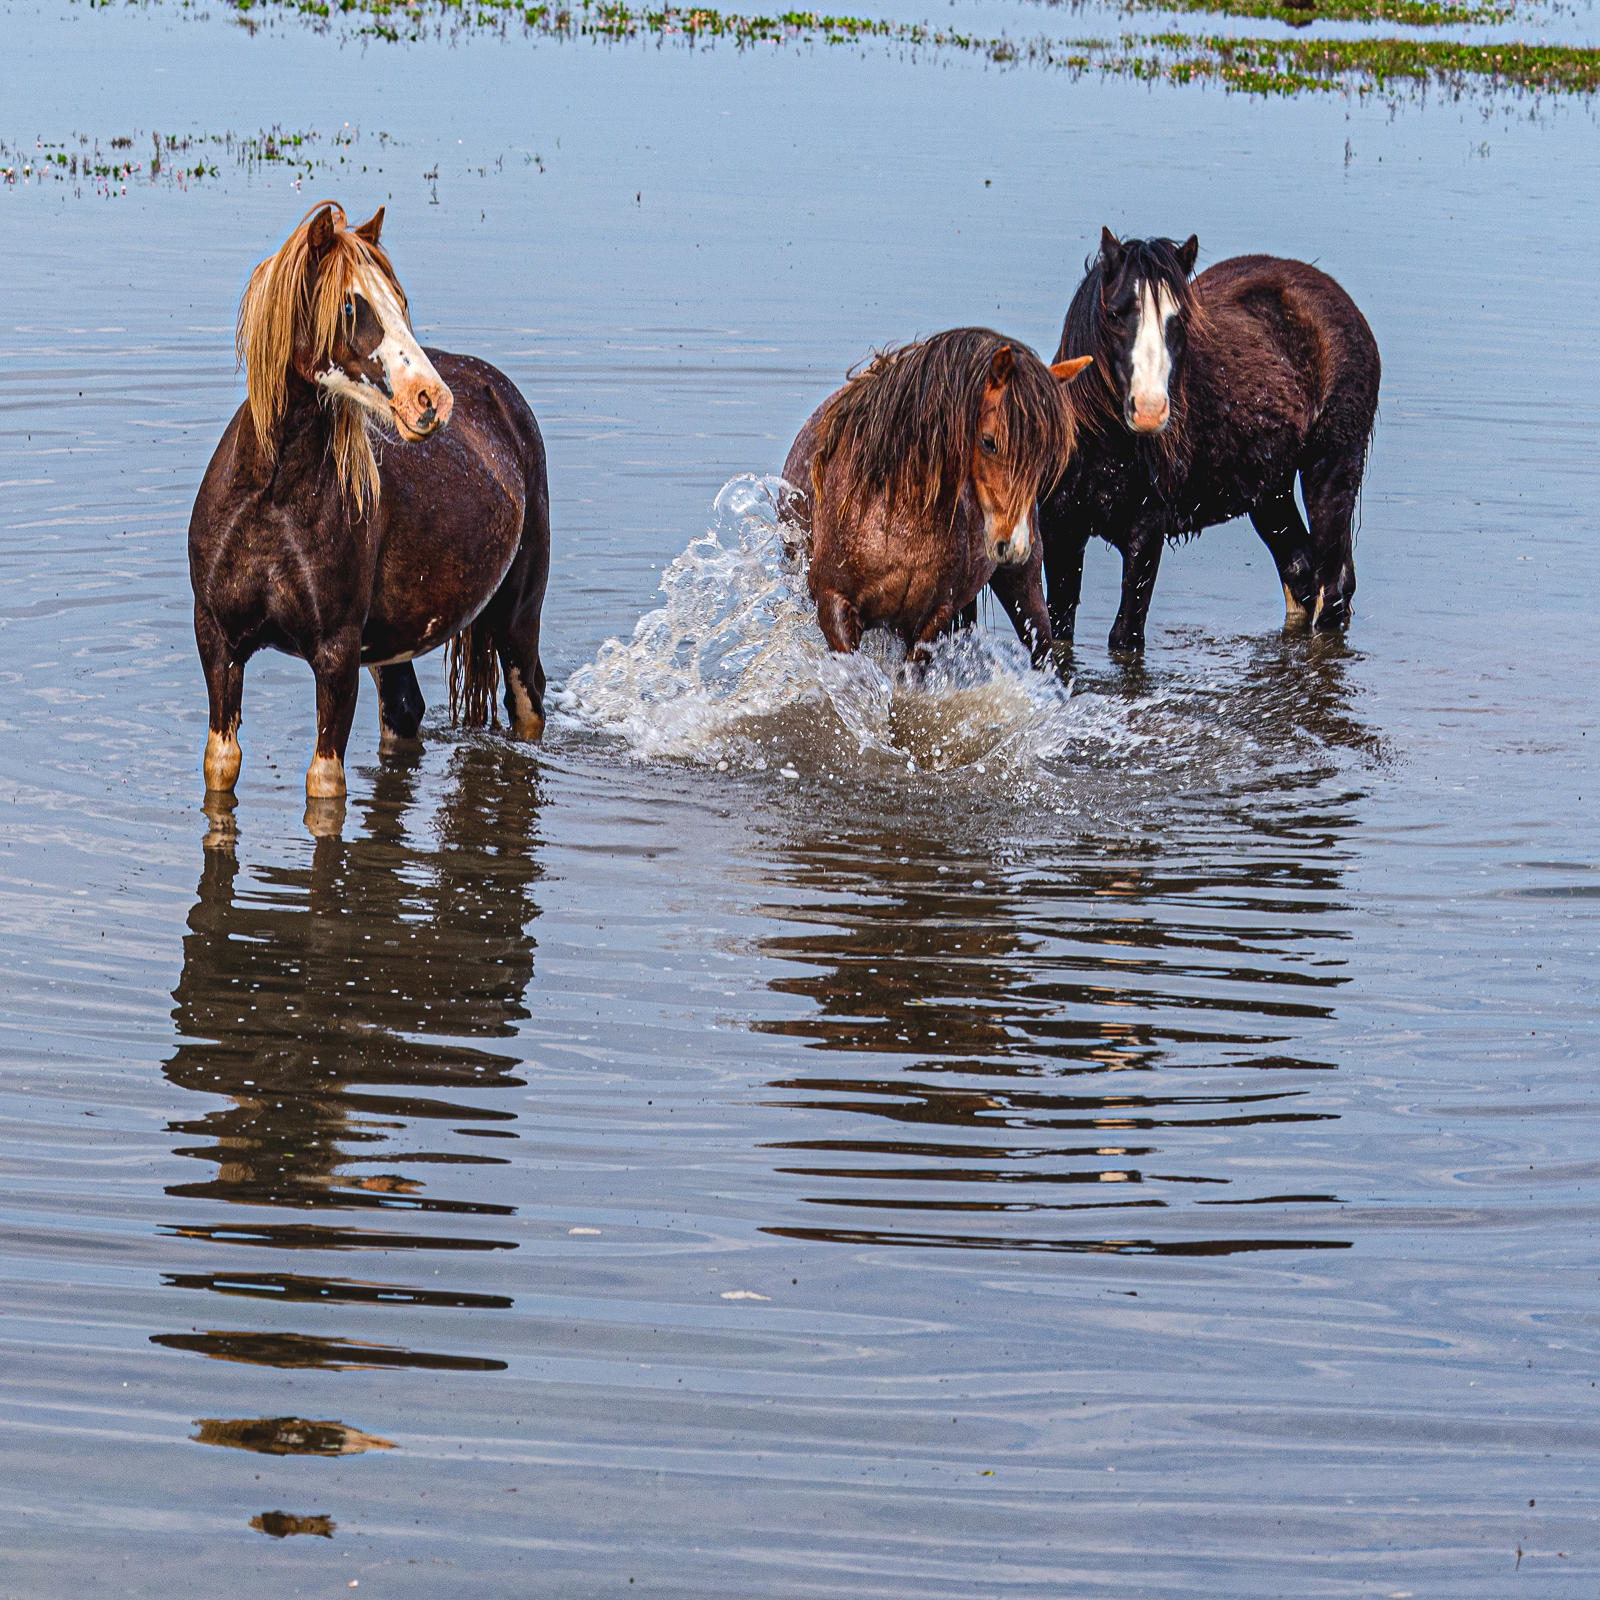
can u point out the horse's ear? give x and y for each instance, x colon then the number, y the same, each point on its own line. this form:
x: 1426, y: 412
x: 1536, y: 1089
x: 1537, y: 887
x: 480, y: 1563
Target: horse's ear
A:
x: 370, y: 229
x: 1000, y: 364
x: 320, y: 234
x: 1110, y: 250
x: 1066, y: 371
x: 1187, y: 252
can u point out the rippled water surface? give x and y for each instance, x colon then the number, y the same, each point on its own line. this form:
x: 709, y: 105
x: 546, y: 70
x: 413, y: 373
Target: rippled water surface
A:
x: 809, y: 1128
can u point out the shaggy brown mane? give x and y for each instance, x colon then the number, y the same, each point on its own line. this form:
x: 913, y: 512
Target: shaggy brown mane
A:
x: 908, y: 422
x: 1093, y: 400
x: 282, y: 316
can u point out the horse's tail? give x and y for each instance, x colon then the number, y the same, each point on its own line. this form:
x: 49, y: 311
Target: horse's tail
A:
x: 474, y: 677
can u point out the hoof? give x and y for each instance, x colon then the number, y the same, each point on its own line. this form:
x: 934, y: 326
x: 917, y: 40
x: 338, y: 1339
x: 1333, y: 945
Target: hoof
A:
x: 223, y: 757
x: 1295, y: 615
x: 1332, y: 611
x: 325, y: 779
x: 530, y: 728
x: 324, y: 819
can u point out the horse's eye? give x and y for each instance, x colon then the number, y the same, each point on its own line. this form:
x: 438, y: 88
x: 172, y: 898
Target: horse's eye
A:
x: 990, y: 448
x: 350, y: 311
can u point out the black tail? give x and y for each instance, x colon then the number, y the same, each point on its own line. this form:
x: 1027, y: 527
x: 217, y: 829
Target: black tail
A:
x: 474, y: 677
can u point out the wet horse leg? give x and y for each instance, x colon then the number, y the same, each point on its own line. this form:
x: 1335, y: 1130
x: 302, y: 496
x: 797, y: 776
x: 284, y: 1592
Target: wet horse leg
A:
x: 839, y: 620
x: 400, y: 702
x: 515, y: 614
x: 939, y: 623
x: 1063, y: 568
x: 225, y: 689
x: 1021, y: 592
x: 336, y: 664
x: 1141, y: 560
x: 1277, y: 520
x: 1331, y: 484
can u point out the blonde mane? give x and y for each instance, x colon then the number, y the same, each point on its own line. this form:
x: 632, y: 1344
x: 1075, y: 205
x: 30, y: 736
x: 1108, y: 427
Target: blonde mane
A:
x: 281, y: 317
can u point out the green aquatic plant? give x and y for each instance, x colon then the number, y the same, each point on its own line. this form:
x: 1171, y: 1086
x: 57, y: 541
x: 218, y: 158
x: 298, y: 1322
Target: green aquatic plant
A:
x: 1290, y: 66
x: 1282, y: 66
x: 1301, y: 13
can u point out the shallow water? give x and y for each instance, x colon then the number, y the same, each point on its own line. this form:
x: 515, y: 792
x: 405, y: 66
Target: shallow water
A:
x: 804, y: 1130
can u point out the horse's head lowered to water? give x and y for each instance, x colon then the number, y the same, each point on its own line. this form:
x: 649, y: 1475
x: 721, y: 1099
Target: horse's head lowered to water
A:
x: 1133, y: 311
x: 921, y: 421
x: 329, y: 308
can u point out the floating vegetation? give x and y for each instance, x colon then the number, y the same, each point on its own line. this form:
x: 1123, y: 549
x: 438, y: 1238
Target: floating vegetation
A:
x: 178, y: 160
x: 1282, y: 66
x: 1361, y: 66
x: 1253, y: 66
x: 1302, y: 13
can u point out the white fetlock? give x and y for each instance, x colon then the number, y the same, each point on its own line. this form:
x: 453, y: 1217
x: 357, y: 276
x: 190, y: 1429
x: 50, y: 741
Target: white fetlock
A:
x: 526, y: 721
x: 222, y: 761
x: 325, y: 778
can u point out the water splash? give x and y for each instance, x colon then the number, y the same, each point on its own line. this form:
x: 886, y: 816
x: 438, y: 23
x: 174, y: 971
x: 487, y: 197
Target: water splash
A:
x: 733, y: 672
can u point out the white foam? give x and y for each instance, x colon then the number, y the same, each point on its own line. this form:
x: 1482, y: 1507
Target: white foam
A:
x: 734, y: 669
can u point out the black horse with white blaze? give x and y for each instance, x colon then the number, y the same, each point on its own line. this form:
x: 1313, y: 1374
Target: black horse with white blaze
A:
x: 1205, y: 400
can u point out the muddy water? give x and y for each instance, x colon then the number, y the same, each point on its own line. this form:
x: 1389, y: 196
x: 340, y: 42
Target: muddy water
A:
x: 799, y: 1133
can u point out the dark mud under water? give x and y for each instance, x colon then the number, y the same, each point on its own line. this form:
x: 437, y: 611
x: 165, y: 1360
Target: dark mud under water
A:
x: 1162, y: 1162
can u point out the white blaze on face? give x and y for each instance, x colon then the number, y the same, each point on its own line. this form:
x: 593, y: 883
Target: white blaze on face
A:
x: 418, y: 401
x: 1005, y: 548
x: 1148, y: 401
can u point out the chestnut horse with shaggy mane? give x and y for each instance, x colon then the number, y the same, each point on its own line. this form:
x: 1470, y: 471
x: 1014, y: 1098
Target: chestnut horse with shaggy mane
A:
x: 370, y: 502
x: 924, y: 472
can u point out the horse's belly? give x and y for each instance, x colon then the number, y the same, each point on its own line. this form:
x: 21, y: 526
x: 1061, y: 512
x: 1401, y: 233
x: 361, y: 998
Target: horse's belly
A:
x: 442, y: 559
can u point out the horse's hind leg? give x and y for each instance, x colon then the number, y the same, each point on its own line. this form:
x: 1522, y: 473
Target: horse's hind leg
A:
x: 1277, y: 520
x: 1331, y: 484
x: 225, y: 690
x: 515, y: 615
x: 337, y: 667
x: 400, y: 702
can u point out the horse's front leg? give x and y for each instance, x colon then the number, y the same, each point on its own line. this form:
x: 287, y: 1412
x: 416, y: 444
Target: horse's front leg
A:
x: 336, y: 663
x: 1140, y: 562
x: 225, y: 690
x: 932, y: 630
x: 400, y: 703
x: 839, y: 620
x: 1021, y: 592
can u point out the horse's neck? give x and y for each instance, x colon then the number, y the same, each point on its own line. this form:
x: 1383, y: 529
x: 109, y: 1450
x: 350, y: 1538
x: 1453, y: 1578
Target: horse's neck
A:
x: 302, y: 457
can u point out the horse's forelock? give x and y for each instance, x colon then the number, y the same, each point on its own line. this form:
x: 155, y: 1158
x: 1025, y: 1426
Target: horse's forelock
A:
x: 910, y: 419
x: 1093, y: 401
x: 284, y: 313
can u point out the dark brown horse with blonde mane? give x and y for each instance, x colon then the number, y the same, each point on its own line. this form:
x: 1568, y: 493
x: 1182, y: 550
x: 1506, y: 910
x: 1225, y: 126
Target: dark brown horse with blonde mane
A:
x: 1208, y: 398
x: 370, y: 502
x: 924, y: 472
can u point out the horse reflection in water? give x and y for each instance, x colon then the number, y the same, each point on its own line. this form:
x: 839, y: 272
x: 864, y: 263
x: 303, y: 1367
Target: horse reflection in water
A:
x: 1122, y: 1024
x: 328, y: 1005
